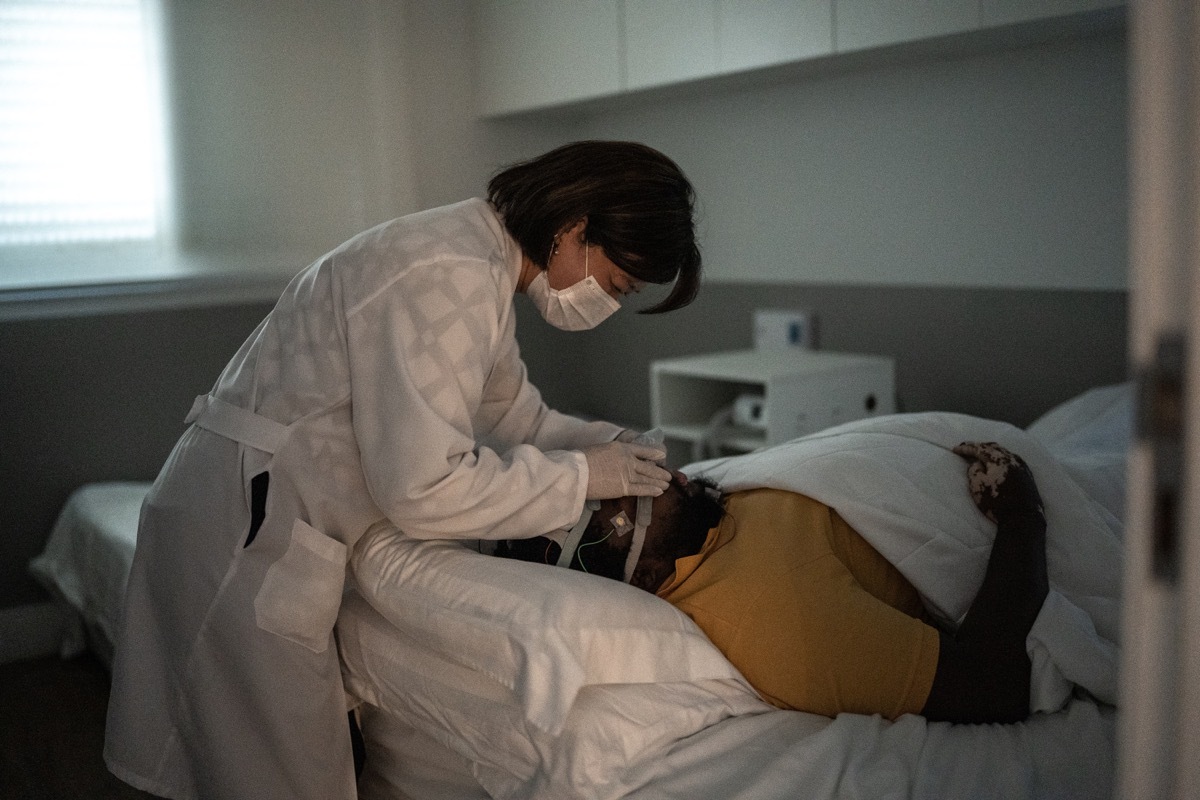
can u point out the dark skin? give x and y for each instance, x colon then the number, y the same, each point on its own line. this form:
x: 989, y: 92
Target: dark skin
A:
x: 603, y: 552
x: 983, y: 671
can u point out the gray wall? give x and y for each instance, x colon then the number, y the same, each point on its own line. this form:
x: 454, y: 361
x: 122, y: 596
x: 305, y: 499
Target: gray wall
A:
x: 996, y: 169
x: 298, y: 124
x: 95, y: 398
x: 288, y: 119
x: 997, y: 353
x: 965, y: 214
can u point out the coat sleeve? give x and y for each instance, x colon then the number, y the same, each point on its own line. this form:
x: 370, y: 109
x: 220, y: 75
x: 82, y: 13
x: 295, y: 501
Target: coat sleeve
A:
x: 420, y: 354
x: 513, y: 412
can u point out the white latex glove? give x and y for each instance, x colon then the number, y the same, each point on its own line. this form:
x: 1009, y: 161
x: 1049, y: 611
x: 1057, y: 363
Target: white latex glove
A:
x: 653, y: 438
x: 625, y: 469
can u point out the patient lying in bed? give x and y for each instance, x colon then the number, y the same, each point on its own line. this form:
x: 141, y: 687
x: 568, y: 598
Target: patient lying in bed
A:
x: 815, y: 618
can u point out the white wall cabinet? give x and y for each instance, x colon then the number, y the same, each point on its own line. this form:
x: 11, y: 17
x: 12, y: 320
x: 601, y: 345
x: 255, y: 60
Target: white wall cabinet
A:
x: 670, y: 41
x: 876, y: 23
x: 761, y: 33
x: 863, y: 24
x: 1007, y: 12
x: 535, y: 54
x: 801, y: 391
x: 538, y: 53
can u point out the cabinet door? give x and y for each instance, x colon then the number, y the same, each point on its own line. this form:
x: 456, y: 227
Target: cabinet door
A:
x: 537, y: 53
x: 668, y: 41
x: 759, y: 33
x: 1005, y: 12
x: 874, y: 23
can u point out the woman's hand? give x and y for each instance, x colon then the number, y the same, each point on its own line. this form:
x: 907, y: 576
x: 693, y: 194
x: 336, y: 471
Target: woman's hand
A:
x: 625, y: 469
x: 1000, y: 482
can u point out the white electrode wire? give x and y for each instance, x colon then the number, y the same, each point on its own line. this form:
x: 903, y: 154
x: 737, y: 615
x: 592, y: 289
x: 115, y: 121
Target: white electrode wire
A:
x: 709, y: 443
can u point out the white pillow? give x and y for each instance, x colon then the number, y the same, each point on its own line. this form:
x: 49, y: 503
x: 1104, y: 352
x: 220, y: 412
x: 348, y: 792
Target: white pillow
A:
x: 405, y: 764
x: 540, y: 632
x: 1090, y: 435
x: 611, y: 741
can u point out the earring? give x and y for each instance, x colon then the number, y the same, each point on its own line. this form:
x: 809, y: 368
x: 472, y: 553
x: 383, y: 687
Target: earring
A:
x: 554, y: 247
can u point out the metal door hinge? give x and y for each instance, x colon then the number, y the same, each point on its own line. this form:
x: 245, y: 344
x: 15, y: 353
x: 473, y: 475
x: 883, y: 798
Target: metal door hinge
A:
x: 1160, y: 424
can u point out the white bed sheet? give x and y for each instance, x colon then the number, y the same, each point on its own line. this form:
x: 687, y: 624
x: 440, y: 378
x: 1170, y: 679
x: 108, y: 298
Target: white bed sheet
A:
x: 710, y: 739
x: 85, y: 564
x: 781, y: 755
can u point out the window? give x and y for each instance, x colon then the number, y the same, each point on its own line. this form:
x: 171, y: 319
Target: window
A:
x: 80, y: 122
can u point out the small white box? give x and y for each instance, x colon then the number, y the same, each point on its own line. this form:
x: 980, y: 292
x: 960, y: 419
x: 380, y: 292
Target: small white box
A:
x: 784, y: 328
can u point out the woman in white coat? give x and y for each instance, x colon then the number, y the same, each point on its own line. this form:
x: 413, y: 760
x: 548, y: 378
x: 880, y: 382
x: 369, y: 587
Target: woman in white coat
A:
x: 385, y: 387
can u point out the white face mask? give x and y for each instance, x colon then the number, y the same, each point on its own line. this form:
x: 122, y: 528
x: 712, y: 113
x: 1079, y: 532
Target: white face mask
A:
x: 579, y: 307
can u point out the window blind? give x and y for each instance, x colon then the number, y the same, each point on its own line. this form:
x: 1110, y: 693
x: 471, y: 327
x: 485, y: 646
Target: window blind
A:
x: 79, y: 122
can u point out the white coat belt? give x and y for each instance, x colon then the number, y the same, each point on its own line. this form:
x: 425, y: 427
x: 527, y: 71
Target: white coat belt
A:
x: 236, y: 423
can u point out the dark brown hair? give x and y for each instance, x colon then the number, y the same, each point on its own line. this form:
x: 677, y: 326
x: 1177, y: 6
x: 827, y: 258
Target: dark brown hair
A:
x: 700, y: 507
x: 638, y: 204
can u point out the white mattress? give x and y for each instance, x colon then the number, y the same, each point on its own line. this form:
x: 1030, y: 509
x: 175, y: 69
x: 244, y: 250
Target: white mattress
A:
x: 86, y: 562
x: 784, y: 755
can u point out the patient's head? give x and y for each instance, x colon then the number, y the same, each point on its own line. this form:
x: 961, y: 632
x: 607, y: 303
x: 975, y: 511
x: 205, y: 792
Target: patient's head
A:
x: 682, y: 517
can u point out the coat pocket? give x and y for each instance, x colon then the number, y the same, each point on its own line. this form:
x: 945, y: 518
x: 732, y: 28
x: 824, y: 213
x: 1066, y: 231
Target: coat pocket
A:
x: 302, y: 591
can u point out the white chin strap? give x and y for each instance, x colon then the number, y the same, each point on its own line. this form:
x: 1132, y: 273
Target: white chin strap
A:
x: 645, y: 511
x: 571, y: 543
x: 645, y: 508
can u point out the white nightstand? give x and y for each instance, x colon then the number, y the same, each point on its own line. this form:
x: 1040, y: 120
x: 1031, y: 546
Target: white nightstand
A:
x: 802, y: 391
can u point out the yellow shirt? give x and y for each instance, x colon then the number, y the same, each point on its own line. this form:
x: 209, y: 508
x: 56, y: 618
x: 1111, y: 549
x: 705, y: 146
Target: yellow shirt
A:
x: 813, y: 617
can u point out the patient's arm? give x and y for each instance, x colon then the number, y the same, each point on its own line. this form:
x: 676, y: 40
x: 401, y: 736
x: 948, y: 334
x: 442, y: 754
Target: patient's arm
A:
x: 983, y: 669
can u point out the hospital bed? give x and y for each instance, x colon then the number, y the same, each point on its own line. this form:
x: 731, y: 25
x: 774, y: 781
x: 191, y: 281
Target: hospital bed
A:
x: 86, y: 563
x: 481, y: 677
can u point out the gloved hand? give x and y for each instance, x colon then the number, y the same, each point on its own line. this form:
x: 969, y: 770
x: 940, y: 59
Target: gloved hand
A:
x: 625, y: 469
x: 653, y: 438
x: 628, y: 435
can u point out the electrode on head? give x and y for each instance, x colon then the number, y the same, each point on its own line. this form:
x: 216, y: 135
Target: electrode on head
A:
x: 621, y: 524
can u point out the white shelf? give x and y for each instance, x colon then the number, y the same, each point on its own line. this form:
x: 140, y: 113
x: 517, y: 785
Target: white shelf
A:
x: 735, y: 438
x: 803, y: 392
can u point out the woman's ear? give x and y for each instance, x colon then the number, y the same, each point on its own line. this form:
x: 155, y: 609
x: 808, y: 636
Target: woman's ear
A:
x: 575, y: 232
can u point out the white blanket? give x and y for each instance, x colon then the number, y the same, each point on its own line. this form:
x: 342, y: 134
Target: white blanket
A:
x: 896, y: 481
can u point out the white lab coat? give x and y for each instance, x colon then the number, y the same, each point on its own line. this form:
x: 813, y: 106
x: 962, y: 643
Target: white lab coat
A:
x: 365, y: 395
